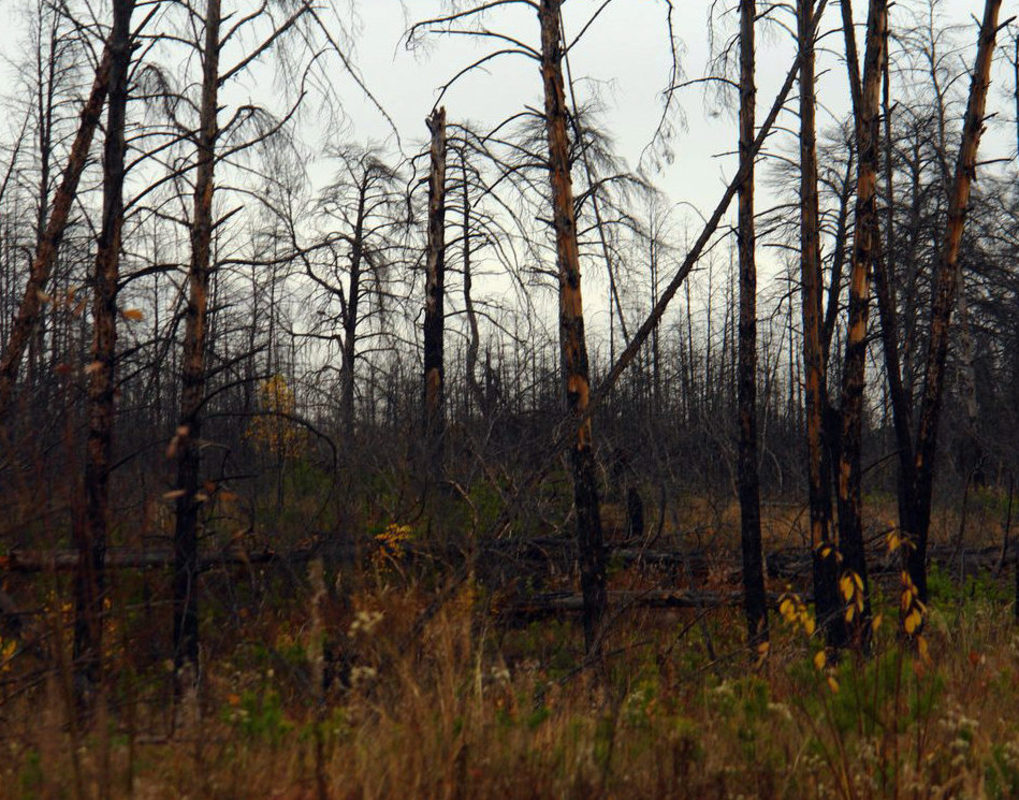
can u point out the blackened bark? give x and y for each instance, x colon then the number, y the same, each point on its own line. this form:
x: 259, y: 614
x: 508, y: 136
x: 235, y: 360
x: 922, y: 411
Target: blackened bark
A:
x: 435, y: 278
x: 825, y: 563
x: 189, y: 502
x: 91, y: 545
x: 946, y: 285
x: 573, y: 345
x: 755, y: 600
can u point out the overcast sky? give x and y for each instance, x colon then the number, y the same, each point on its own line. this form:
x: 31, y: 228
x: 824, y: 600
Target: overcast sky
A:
x: 625, y: 54
x: 624, y: 57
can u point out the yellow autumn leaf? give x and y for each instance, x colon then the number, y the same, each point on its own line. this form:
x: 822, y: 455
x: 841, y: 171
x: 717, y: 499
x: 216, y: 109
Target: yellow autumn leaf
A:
x: 820, y: 659
x: 833, y: 685
x: 912, y: 621
x: 876, y: 623
x: 846, y: 587
x: 808, y: 626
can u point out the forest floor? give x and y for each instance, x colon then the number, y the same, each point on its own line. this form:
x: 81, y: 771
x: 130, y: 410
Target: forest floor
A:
x: 433, y: 692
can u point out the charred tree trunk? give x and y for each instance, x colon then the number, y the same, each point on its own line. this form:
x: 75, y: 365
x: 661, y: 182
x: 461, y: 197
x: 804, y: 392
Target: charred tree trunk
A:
x: 755, y: 600
x: 91, y: 545
x: 573, y: 346
x: 189, y: 501
x: 28, y: 311
x: 865, y: 247
x: 814, y: 363
x: 884, y: 283
x: 435, y: 320
x: 946, y: 284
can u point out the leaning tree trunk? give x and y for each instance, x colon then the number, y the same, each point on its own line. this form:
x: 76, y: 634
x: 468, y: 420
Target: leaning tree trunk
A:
x: 573, y: 347
x: 31, y: 302
x: 755, y: 601
x: 91, y: 535
x: 866, y: 245
x: 351, y: 313
x: 946, y: 285
x: 825, y: 563
x: 435, y: 277
x: 185, y: 575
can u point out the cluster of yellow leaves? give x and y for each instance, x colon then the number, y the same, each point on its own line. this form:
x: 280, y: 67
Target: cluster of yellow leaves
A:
x: 272, y: 431
x: 392, y: 541
x: 912, y: 610
x: 795, y: 612
x: 851, y: 589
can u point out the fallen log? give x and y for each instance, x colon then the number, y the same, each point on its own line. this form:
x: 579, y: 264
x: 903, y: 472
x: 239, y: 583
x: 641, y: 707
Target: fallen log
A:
x: 29, y: 561
x: 791, y: 563
x: 64, y: 560
x: 550, y: 604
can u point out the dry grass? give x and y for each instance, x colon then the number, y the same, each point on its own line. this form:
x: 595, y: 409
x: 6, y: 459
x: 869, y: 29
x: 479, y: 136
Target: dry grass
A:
x: 447, y: 701
x: 460, y: 707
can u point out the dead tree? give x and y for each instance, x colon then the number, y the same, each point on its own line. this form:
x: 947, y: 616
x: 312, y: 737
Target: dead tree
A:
x: 946, y: 283
x: 814, y: 361
x: 573, y: 346
x: 189, y: 501
x: 866, y: 245
x: 91, y: 533
x: 435, y: 276
x: 755, y: 601
x: 42, y: 263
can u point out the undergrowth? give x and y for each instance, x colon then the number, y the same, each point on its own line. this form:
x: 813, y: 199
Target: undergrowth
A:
x: 451, y: 702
